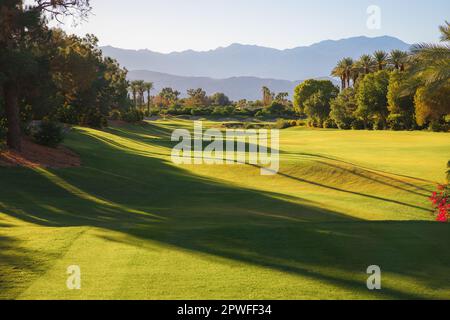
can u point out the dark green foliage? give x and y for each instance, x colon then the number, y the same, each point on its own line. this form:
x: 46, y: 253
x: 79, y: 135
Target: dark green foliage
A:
x: 197, y: 111
x: 283, y: 124
x: 220, y: 99
x: 357, y: 124
x: 93, y: 118
x: 399, y: 122
x: 401, y: 91
x: 317, y: 108
x: 371, y: 97
x: 223, y: 111
x: 115, y: 115
x: 330, y: 124
x: 343, y: 109
x: 276, y: 109
x: 379, y: 124
x: 133, y: 116
x: 68, y: 114
x: 439, y: 126
x: 307, y: 89
x: 48, y: 133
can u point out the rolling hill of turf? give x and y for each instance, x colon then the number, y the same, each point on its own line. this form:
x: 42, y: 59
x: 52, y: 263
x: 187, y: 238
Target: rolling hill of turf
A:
x: 141, y: 227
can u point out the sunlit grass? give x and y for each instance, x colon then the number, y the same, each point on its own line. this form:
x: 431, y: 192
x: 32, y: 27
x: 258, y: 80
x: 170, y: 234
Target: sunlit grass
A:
x: 141, y: 227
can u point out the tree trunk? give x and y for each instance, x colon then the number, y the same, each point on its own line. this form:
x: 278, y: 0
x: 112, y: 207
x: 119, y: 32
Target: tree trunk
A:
x: 148, y: 102
x: 11, y: 94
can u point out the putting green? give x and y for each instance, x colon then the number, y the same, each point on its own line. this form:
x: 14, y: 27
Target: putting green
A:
x: 140, y: 227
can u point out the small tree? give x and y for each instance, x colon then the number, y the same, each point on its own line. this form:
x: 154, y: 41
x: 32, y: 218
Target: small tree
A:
x: 308, y: 88
x: 372, y: 98
x: 275, y: 109
x: 220, y: 99
x: 343, y: 108
x: 197, y: 98
x: 317, y: 108
x: 400, y: 98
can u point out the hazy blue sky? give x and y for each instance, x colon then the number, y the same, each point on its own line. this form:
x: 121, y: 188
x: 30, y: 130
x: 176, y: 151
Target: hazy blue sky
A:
x: 175, y: 25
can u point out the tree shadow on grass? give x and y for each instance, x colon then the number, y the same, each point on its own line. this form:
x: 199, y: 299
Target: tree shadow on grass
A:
x: 148, y: 198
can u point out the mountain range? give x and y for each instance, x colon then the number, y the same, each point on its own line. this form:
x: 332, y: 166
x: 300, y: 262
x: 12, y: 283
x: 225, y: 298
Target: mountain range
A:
x: 238, y: 70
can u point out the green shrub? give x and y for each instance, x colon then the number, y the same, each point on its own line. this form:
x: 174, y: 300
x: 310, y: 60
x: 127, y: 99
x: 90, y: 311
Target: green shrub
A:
x: 154, y: 111
x: 48, y: 133
x: 223, y: 111
x: 133, y: 116
x: 261, y: 114
x: 68, y: 114
x: 93, y: 119
x: 115, y: 114
x: 330, y: 124
x: 396, y: 122
x: 313, y: 123
x: 439, y: 127
x: 379, y: 124
x: 275, y: 109
x: 282, y: 124
x: 175, y: 110
x: 357, y: 124
x: 301, y: 123
x: 245, y: 112
x: 200, y: 111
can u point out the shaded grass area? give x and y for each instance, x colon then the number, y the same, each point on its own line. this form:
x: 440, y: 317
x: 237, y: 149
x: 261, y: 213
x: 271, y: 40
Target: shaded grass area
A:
x: 142, y: 228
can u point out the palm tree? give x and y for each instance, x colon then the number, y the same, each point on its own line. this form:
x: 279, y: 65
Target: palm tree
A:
x: 141, y: 91
x: 381, y: 59
x: 431, y: 62
x: 348, y: 66
x: 340, y: 72
x: 430, y: 65
x: 398, y: 59
x: 148, y: 86
x: 134, y: 90
x: 445, y: 31
x: 267, y: 96
x: 366, y: 63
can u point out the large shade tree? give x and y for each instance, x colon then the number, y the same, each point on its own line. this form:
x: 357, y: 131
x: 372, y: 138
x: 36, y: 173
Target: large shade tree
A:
x: 371, y: 97
x: 309, y: 87
x: 23, y: 28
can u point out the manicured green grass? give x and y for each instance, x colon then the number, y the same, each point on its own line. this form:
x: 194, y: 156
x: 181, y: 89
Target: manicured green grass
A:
x: 141, y: 227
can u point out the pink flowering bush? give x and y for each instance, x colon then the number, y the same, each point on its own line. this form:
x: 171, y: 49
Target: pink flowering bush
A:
x: 441, y: 203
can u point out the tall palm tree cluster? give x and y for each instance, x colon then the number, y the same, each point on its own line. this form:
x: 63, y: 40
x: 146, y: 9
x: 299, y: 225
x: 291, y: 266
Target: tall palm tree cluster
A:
x: 349, y: 70
x: 139, y: 89
x: 416, y: 83
x: 431, y: 66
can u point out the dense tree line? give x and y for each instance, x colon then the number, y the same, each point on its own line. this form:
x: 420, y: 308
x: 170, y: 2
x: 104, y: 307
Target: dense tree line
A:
x: 45, y: 73
x: 198, y: 103
x: 400, y: 90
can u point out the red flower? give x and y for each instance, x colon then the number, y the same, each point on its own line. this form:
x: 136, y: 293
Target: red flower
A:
x: 440, y: 201
x: 442, y: 218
